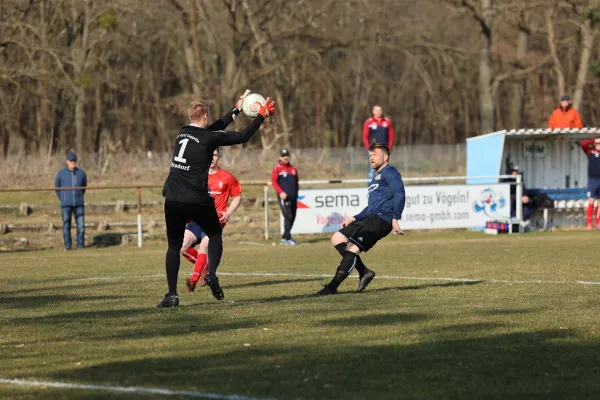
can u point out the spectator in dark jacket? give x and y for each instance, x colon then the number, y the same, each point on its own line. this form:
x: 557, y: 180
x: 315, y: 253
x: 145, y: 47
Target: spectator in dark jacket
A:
x: 71, y: 201
x: 284, y: 179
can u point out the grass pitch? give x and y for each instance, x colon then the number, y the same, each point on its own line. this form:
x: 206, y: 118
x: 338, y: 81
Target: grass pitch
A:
x: 455, y: 315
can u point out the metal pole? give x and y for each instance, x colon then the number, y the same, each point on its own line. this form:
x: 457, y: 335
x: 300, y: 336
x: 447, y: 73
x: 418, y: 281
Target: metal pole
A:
x: 139, y: 217
x: 519, y: 202
x: 266, y: 190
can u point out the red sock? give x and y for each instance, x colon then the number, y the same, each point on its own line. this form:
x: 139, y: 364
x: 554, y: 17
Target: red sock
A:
x: 199, y: 265
x: 589, y: 213
x: 598, y: 215
x: 191, y: 255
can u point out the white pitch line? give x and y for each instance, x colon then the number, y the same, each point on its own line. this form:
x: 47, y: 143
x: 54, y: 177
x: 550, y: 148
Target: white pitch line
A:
x: 126, y: 389
x: 407, y: 278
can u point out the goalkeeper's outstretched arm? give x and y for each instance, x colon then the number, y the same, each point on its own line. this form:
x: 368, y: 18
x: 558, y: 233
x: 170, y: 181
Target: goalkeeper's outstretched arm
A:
x: 224, y: 138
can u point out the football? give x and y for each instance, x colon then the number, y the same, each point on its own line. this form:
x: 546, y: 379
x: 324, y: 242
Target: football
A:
x: 249, y: 106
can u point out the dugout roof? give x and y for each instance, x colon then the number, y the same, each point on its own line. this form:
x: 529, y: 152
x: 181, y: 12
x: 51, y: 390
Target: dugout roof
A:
x: 548, y: 159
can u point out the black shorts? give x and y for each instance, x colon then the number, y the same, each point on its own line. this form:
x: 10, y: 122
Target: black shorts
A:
x: 177, y: 215
x: 367, y: 232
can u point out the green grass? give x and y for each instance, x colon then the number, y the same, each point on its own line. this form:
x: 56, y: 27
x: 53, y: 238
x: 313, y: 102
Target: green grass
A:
x: 402, y: 338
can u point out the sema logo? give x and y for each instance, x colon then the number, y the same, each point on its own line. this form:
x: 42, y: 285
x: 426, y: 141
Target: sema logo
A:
x: 330, y: 201
x: 489, y: 202
x: 300, y: 203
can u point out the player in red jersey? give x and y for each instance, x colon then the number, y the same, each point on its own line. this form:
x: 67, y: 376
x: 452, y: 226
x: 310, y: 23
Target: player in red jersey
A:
x: 221, y: 185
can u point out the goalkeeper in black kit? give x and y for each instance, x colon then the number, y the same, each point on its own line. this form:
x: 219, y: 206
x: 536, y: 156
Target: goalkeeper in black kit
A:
x: 361, y: 232
x: 186, y: 188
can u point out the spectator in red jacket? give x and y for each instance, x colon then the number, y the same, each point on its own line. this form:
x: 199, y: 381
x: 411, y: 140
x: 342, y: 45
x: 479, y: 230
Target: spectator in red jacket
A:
x: 284, y: 179
x: 565, y: 116
x: 378, y: 128
x: 591, y: 148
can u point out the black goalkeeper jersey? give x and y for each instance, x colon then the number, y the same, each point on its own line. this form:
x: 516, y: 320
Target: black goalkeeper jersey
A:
x: 192, y: 154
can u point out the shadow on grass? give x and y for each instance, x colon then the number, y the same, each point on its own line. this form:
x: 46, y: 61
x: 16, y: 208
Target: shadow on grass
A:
x: 506, y: 311
x: 83, y: 316
x: 270, y: 282
x: 542, y: 364
x: 197, y: 326
x: 315, y: 240
x: 375, y: 320
x: 59, y: 288
x: 157, y: 323
x: 350, y: 292
x: 469, y: 328
x: 424, y: 286
x: 46, y: 300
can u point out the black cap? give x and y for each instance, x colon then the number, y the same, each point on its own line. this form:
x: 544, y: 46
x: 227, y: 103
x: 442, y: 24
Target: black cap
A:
x: 284, y: 153
x: 72, y: 156
x: 565, y: 98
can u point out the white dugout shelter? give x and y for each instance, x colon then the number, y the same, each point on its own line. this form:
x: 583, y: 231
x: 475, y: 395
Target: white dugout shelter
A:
x: 551, y: 162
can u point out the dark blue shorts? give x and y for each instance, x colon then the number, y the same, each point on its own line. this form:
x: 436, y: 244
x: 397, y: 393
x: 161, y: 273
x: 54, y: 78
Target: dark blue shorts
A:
x: 594, y: 188
x: 196, y: 230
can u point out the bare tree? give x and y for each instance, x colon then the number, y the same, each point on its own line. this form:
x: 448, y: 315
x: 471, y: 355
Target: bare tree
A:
x: 117, y: 74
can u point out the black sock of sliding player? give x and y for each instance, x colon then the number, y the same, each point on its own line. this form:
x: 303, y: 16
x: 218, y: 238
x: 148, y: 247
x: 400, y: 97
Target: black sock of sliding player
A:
x: 360, y: 267
x: 345, y: 268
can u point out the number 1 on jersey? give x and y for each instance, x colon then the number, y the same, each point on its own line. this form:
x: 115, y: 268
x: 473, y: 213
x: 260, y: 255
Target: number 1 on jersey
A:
x: 179, y: 157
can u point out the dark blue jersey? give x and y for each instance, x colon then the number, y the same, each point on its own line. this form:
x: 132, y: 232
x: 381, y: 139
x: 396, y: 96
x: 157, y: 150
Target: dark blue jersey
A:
x: 594, y: 164
x: 386, y: 195
x: 593, y: 156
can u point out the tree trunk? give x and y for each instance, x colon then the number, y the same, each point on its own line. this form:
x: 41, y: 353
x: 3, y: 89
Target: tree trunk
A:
x: 98, y: 112
x: 4, y: 141
x: 41, y: 112
x: 318, y: 116
x: 486, y: 98
x: 517, y: 103
x: 79, y: 117
x: 58, y: 116
x: 558, y: 68
x: 198, y: 76
x: 356, y: 103
x: 189, y: 60
x: 336, y: 130
x: 587, y: 41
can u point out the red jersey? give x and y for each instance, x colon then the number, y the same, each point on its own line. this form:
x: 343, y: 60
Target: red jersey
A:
x: 380, y: 130
x: 221, y: 186
x: 284, y: 178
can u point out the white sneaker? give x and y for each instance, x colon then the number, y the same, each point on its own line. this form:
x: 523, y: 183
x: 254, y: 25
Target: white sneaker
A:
x: 284, y: 242
x: 292, y: 242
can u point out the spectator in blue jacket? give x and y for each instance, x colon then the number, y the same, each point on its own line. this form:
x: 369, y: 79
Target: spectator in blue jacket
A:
x: 71, y: 201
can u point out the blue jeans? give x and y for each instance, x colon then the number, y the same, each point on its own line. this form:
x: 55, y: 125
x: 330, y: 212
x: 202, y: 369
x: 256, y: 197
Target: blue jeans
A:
x: 67, y: 212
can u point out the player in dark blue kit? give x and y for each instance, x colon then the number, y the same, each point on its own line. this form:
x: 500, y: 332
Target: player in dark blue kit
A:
x: 591, y: 148
x: 376, y: 221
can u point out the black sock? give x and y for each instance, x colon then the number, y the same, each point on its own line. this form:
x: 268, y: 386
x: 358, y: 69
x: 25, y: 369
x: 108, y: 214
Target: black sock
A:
x: 172, y: 265
x: 341, y: 248
x: 346, y: 266
x: 215, y: 251
x: 360, y: 267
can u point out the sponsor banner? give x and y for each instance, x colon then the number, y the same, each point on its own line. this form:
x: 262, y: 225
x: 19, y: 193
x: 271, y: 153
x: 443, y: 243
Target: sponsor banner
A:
x: 427, y: 207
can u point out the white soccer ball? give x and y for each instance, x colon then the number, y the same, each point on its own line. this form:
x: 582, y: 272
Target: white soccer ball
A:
x: 249, y: 106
